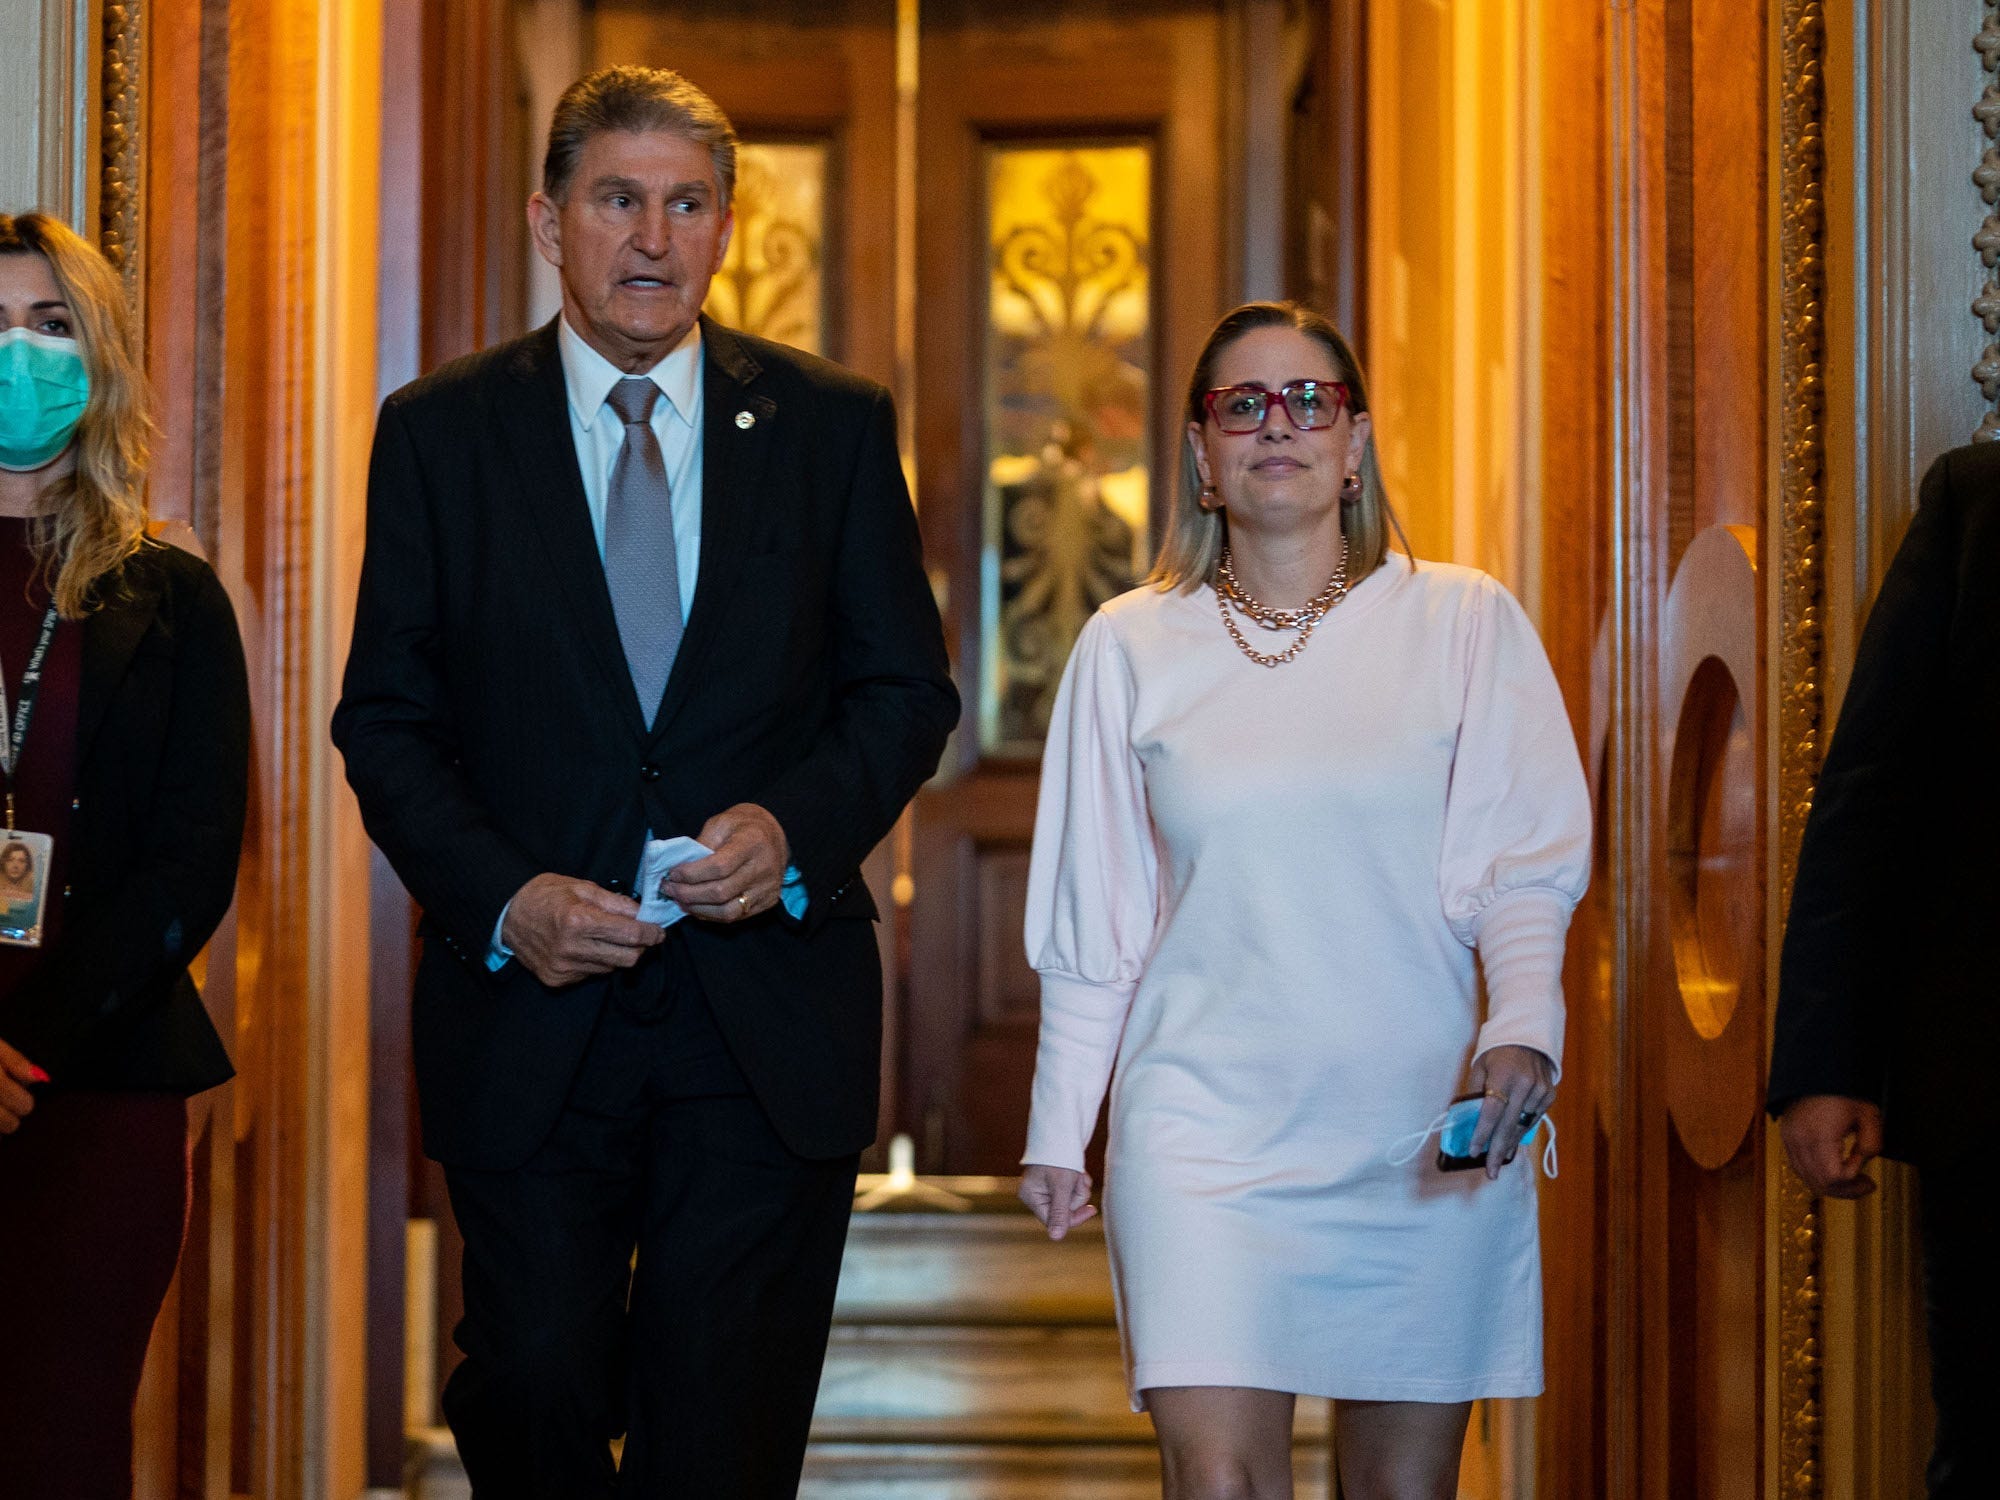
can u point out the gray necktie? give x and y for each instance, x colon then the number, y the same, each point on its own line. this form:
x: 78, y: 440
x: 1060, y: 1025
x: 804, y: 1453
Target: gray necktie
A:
x: 640, y: 561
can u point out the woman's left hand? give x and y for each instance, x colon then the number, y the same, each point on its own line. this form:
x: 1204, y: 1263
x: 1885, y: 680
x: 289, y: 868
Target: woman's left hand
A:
x: 1519, y: 1085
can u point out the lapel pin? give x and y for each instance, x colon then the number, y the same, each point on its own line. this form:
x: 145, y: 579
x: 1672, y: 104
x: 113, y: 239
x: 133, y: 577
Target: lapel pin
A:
x: 745, y: 420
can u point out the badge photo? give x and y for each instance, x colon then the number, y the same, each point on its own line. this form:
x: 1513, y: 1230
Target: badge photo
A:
x: 24, y: 864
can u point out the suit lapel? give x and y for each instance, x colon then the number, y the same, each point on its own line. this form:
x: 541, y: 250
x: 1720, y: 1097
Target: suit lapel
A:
x: 533, y: 407
x: 733, y: 458
x: 110, y: 635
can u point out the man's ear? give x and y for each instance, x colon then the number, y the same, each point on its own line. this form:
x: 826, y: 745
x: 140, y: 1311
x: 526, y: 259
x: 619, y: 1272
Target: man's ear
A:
x: 722, y: 242
x: 545, y: 227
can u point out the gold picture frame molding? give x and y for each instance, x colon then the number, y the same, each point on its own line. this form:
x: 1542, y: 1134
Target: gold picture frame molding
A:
x: 1800, y: 663
x: 121, y: 126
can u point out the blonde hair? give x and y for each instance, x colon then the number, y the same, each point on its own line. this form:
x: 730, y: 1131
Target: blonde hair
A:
x: 95, y: 518
x: 1194, y: 539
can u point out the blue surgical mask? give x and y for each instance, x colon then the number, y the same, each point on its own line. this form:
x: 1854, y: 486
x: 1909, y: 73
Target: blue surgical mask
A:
x: 1454, y: 1127
x: 44, y: 388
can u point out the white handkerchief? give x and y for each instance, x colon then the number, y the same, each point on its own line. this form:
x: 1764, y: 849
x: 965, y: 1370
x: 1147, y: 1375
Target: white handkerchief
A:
x: 662, y: 858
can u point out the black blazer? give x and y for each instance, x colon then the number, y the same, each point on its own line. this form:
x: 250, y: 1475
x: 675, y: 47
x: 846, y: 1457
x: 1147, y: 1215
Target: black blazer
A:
x: 163, y: 766
x: 492, y: 733
x: 1889, y: 982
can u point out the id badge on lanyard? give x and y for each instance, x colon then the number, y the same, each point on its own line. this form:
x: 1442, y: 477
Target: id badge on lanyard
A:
x: 24, y: 855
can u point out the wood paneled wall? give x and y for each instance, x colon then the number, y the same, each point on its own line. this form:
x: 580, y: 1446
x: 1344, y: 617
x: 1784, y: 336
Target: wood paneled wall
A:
x: 252, y: 142
x: 1448, y: 213
x: 1573, y: 500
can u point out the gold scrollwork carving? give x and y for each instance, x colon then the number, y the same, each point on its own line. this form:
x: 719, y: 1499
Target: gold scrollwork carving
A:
x: 1987, y: 242
x: 1802, y: 217
x: 118, y: 180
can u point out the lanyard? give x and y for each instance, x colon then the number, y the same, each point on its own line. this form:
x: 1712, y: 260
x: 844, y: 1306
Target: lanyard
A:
x: 14, y: 727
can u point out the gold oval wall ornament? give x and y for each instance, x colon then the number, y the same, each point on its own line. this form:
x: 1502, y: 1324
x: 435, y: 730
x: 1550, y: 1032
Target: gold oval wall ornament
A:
x: 1713, y: 867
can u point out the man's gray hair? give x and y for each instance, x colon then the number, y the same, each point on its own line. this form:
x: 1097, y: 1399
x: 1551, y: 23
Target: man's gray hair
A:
x: 635, y: 98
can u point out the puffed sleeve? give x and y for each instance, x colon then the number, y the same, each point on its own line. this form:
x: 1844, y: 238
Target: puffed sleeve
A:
x: 1516, y: 854
x: 1093, y: 883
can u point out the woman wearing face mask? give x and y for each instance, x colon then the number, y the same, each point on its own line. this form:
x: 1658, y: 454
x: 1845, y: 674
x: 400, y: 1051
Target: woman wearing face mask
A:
x: 124, y: 751
x: 1292, y: 787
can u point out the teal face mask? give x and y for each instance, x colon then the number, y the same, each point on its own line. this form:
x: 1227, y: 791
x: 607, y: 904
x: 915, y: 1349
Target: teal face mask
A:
x: 1455, y: 1128
x: 44, y: 388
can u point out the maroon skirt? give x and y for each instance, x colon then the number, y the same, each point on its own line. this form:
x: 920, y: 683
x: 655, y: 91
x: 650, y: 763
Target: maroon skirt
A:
x: 93, y: 1207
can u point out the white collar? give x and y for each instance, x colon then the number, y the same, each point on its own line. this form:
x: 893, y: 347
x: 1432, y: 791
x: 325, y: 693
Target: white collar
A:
x: 589, y: 376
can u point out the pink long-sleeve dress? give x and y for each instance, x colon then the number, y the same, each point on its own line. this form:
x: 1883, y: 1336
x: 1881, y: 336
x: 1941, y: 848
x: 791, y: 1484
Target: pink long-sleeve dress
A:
x: 1255, y: 901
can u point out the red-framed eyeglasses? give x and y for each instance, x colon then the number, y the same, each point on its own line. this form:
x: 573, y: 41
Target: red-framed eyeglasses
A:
x: 1309, y: 404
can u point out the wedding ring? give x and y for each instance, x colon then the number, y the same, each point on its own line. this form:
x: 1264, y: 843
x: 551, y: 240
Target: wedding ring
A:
x: 744, y: 902
x: 1490, y: 1094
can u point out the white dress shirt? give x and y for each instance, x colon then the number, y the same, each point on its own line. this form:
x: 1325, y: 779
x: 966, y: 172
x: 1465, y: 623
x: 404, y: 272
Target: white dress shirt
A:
x: 600, y: 437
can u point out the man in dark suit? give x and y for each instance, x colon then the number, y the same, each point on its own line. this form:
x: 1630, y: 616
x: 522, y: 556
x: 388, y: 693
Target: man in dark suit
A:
x: 1889, y: 990
x: 635, y: 574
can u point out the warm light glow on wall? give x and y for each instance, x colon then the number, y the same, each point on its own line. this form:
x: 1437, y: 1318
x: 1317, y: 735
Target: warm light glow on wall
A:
x: 1069, y: 361
x: 1450, y: 93
x: 772, y: 282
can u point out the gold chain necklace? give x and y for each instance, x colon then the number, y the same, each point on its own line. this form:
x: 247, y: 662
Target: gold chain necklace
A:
x: 1229, y: 592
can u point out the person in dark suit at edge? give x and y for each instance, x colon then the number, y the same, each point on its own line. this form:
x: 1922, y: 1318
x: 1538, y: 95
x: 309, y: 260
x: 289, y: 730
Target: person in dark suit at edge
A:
x: 637, y: 574
x: 1888, y: 1013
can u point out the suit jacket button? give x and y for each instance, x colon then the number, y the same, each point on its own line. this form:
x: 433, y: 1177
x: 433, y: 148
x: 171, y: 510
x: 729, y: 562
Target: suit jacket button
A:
x: 649, y: 772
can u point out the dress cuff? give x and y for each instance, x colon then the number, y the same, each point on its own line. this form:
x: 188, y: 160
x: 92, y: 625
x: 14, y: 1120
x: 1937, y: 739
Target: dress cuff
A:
x: 1520, y: 937
x: 1082, y: 1023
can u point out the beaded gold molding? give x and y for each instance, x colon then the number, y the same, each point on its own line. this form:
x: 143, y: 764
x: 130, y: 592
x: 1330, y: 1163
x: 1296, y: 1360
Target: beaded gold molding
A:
x: 1987, y: 178
x: 118, y: 200
x: 1802, y: 268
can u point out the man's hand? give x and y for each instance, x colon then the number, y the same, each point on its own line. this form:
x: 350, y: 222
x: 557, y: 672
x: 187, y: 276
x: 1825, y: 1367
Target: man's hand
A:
x: 1059, y: 1196
x: 16, y: 1073
x: 743, y: 876
x: 1830, y: 1139
x: 565, y: 930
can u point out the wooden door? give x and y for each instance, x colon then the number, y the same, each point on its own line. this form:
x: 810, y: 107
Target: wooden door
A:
x: 1067, y: 155
x: 1712, y: 653
x: 1696, y: 538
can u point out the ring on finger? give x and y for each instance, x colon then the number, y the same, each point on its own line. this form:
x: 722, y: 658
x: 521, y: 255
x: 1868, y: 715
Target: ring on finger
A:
x: 1528, y: 1118
x: 744, y: 903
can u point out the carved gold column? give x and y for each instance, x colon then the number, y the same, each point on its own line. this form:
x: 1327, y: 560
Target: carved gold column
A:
x: 1801, y: 529
x: 119, y: 182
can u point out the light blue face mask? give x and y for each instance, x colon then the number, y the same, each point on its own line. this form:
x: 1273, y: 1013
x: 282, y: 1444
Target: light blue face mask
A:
x: 1454, y: 1127
x: 44, y: 388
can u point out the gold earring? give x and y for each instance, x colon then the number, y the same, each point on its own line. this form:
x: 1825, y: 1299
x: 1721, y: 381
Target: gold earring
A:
x: 1350, y: 488
x: 1207, y: 499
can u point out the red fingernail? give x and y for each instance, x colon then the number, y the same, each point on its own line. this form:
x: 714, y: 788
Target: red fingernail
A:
x: 37, y: 1074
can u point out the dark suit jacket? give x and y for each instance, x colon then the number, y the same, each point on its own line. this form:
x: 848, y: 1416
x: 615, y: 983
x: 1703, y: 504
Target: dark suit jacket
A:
x: 492, y: 733
x: 163, y: 764
x: 1889, y: 983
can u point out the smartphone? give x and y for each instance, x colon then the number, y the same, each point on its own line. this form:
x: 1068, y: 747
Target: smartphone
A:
x: 1447, y: 1162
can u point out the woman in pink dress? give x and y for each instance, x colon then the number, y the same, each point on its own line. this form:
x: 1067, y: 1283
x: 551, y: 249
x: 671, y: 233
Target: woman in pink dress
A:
x: 1299, y: 794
